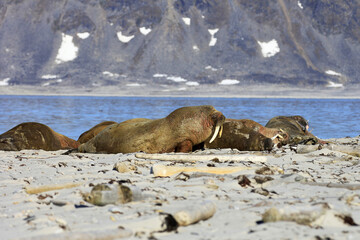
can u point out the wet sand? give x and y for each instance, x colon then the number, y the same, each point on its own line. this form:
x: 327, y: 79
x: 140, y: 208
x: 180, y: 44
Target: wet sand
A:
x: 289, y: 193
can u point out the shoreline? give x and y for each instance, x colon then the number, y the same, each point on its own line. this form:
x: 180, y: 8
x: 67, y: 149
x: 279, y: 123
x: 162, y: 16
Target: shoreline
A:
x: 204, y: 91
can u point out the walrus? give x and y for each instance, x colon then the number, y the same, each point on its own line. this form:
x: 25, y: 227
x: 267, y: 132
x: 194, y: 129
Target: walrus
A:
x: 296, y: 127
x: 178, y: 132
x: 92, y: 132
x: 247, y: 135
x: 33, y: 135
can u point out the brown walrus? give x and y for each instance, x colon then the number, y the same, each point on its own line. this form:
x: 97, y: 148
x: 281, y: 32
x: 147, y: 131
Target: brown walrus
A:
x: 92, y: 132
x: 178, y: 132
x: 246, y: 135
x: 296, y: 127
x: 33, y: 135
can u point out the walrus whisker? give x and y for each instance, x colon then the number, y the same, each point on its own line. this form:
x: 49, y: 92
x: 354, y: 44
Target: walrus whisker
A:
x: 215, y: 134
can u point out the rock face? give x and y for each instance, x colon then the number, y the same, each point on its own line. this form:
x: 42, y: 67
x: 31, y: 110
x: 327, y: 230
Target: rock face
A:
x: 105, y: 42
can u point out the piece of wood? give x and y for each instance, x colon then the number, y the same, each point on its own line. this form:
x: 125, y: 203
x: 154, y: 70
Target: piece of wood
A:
x: 160, y: 170
x: 46, y: 188
x: 198, y: 157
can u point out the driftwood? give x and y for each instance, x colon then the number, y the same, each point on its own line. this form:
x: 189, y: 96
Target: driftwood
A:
x: 198, y: 157
x: 166, y: 171
x: 46, y: 188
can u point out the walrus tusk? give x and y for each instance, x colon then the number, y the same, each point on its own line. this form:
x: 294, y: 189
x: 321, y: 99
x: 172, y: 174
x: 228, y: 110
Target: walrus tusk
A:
x: 46, y: 188
x: 201, y: 157
x: 166, y: 171
x: 217, y: 128
x: 221, y: 130
x: 195, y: 213
x: 277, y: 135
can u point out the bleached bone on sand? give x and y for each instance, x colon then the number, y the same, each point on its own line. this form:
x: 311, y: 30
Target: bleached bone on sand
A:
x: 195, y: 213
x: 103, y: 194
x: 316, y: 216
x: 197, y: 157
x: 46, y: 188
x: 160, y: 170
x: 170, y: 220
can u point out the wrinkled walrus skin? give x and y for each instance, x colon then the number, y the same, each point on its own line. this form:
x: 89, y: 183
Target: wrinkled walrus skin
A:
x: 245, y: 135
x: 177, y: 132
x: 33, y: 135
x: 296, y: 127
x: 92, y: 132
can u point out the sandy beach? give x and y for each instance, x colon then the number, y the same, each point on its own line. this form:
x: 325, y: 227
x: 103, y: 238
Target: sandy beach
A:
x: 181, y: 90
x: 289, y: 193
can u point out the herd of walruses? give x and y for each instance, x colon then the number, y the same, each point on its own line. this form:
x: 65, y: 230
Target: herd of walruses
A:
x: 184, y: 130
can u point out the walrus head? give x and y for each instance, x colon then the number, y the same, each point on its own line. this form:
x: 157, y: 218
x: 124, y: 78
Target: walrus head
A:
x: 301, y: 122
x: 197, y: 123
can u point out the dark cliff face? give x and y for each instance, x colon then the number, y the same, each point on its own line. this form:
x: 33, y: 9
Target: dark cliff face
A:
x: 100, y: 42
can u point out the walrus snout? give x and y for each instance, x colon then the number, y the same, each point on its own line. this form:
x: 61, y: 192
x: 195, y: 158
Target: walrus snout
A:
x: 218, y: 118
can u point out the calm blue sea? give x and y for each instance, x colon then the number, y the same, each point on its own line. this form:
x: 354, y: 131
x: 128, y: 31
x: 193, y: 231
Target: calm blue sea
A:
x: 71, y: 116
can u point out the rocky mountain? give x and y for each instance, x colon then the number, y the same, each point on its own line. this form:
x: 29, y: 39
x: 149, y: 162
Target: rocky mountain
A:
x: 193, y: 42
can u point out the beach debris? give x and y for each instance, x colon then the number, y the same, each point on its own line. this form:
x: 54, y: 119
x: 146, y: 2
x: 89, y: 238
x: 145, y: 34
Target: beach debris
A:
x: 262, y: 191
x: 188, y: 213
x: 316, y: 216
x: 60, y: 203
x: 293, y: 178
x: 210, y: 186
x: 182, y: 177
x: 29, y: 218
x: 160, y: 170
x: 353, y: 150
x: 122, y: 167
x: 336, y: 185
x: 115, y: 210
x: 269, y: 170
x: 104, y: 193
x: 243, y: 181
x: 46, y: 188
x: 202, y: 157
x: 194, y: 213
x: 263, y: 179
x: 351, y: 199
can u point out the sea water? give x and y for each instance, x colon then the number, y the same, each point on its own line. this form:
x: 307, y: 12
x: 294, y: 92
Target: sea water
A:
x: 71, y: 116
